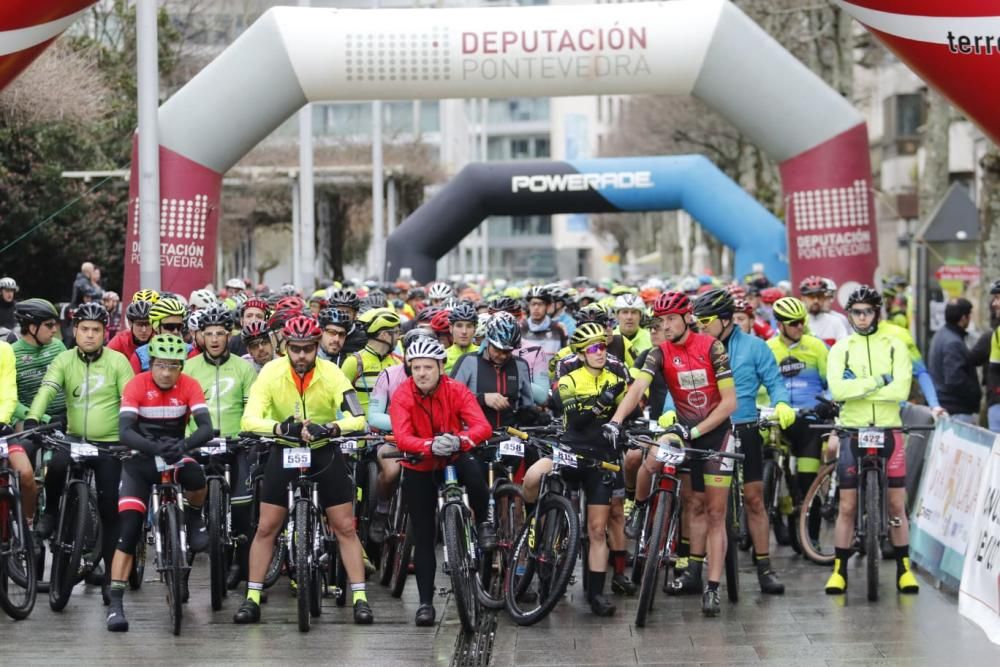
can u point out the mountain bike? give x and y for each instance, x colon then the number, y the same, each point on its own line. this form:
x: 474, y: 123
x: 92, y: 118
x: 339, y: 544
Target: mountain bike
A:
x: 396, y: 554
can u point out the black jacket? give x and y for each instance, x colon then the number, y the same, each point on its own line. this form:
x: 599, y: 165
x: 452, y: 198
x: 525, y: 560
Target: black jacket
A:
x: 955, y: 379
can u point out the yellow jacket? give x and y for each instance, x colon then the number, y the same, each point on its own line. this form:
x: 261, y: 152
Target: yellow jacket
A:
x: 8, y: 382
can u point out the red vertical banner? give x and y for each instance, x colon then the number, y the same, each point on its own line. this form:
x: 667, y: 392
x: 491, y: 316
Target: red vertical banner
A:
x: 830, y: 212
x: 189, y: 216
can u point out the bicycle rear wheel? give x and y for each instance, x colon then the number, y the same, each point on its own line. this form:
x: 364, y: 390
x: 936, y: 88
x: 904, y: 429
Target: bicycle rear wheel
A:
x: 732, y: 546
x: 18, y: 583
x: 138, y: 571
x: 366, y: 507
x: 508, y: 517
x: 216, y: 549
x: 544, y: 555
x: 401, y: 560
x: 873, y: 525
x: 818, y: 517
x: 387, y: 554
x: 458, y: 547
x: 655, y: 546
x: 67, y: 545
x: 300, y: 549
x: 173, y: 563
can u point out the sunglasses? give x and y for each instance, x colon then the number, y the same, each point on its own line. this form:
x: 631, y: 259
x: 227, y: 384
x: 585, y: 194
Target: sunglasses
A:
x: 794, y: 323
x: 595, y: 348
x: 167, y: 366
x: 301, y: 349
x: 705, y: 321
x: 173, y: 327
x: 862, y: 312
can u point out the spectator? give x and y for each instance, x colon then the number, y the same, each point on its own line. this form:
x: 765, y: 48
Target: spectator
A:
x: 95, y: 283
x: 950, y: 364
x: 8, y: 290
x: 112, y: 303
x: 81, y: 284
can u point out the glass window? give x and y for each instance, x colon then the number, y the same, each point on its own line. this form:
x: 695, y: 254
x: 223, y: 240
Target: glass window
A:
x: 909, y: 114
x: 520, y: 149
x: 542, y: 147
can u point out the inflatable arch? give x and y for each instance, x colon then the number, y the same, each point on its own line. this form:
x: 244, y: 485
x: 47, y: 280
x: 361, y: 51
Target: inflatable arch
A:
x: 706, y: 48
x: 690, y: 182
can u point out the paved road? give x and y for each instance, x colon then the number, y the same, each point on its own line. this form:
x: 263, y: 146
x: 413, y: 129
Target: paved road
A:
x: 804, y: 627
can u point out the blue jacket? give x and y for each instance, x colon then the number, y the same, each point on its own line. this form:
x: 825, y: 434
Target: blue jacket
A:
x: 753, y: 365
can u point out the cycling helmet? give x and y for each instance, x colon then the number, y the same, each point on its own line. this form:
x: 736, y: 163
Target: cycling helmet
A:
x: 716, y: 302
x: 138, y: 311
x: 742, y: 305
x: 557, y: 293
x: 111, y: 295
x: 450, y: 303
x: 482, y: 320
x: 629, y: 301
x: 424, y: 347
x: 503, y: 303
x: 690, y: 285
x: 166, y: 308
x: 288, y: 289
x: 440, y: 323
x: 590, y: 294
x: 193, y: 322
x: 736, y: 290
x: 301, y: 329
x: 91, y: 311
x: 594, y: 312
x: 770, y: 295
x: 290, y: 303
x: 235, y: 283
x: 672, y: 303
x: 414, y: 334
x: 503, y: 332
x: 35, y: 311
x: 618, y: 290
x: 217, y: 316
x: 329, y: 316
x: 440, y: 291
x: 254, y: 330
x: 375, y: 299
x: 8, y: 283
x: 167, y: 346
x: 995, y: 287
x: 538, y: 292
x: 586, y: 335
x: 426, y: 314
x: 463, y: 312
x: 278, y: 319
x: 319, y: 296
x: 344, y: 298
x: 377, y: 320
x: 865, y: 294
x: 813, y: 285
x: 150, y: 295
x: 254, y: 302
x: 789, y: 309
x: 202, y: 298
x: 416, y: 293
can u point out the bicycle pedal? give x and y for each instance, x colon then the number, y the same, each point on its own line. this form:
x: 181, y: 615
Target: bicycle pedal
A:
x: 444, y: 592
x: 895, y: 522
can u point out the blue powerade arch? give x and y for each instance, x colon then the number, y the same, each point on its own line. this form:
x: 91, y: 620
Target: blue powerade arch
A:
x: 604, y: 185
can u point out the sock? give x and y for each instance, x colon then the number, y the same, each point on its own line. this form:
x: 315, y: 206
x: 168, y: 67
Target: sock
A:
x: 383, y: 506
x: 842, y: 556
x: 684, y: 548
x: 697, y: 559
x: 358, y: 593
x: 117, y: 593
x: 253, y: 591
x: 902, y: 565
x: 618, y: 559
x: 760, y: 557
x: 713, y: 586
x: 630, y: 493
x: 763, y: 562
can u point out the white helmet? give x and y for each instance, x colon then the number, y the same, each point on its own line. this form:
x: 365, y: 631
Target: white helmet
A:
x: 235, y: 283
x: 440, y: 291
x: 202, y: 298
x: 629, y: 301
x: 9, y: 283
x: 194, y: 320
x: 483, y: 320
x: 425, y: 347
x: 690, y: 284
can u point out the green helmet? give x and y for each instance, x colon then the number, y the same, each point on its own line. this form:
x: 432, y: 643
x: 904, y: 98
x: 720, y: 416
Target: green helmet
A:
x: 167, y: 346
x: 789, y: 309
x: 586, y: 335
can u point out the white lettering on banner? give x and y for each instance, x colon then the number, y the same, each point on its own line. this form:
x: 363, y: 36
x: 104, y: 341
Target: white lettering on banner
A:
x: 979, y: 594
x: 183, y: 223
x: 834, y: 245
x: 620, y: 180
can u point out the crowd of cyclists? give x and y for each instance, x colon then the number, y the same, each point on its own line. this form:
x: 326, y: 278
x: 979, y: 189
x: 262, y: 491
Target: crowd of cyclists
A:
x: 444, y: 368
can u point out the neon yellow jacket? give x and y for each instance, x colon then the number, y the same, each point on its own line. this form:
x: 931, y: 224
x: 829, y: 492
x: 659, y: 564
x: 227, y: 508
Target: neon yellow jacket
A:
x: 866, y: 399
x: 8, y: 382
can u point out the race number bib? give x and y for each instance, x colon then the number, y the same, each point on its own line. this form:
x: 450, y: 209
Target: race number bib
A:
x: 563, y: 459
x: 214, y: 447
x: 82, y: 450
x: 348, y: 446
x: 296, y: 457
x: 871, y: 439
x: 3, y: 446
x: 727, y: 465
x: 693, y: 379
x: 512, y: 447
x: 673, y: 456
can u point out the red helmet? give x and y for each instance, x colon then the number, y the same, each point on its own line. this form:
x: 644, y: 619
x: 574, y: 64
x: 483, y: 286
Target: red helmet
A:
x: 742, y: 305
x: 255, y: 302
x: 771, y: 294
x: 813, y: 285
x: 290, y: 303
x: 301, y: 329
x: 736, y: 290
x: 670, y: 303
x: 441, y: 321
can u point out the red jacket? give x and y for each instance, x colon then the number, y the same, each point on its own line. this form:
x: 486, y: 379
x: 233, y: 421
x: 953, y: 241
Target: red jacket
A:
x: 451, y: 408
x: 123, y: 342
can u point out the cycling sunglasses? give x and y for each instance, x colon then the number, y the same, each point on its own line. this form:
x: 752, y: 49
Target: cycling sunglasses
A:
x: 862, y: 312
x: 595, y: 348
x: 705, y: 321
x: 793, y: 323
x: 173, y: 327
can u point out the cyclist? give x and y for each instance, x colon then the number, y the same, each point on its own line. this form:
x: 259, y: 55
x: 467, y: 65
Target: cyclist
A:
x: 8, y: 292
x: 630, y: 338
x: 753, y: 366
x: 560, y: 314
x: 440, y: 325
x: 588, y: 395
x: 156, y: 406
x: 225, y: 380
x: 168, y: 315
x: 92, y: 378
x: 590, y: 313
x: 348, y: 302
x: 869, y: 372
x: 500, y: 381
x: 541, y: 336
x: 802, y: 360
x: 438, y: 419
x: 920, y: 372
x: 253, y: 309
x: 696, y: 367
x: 463, y: 320
x: 315, y: 402
x: 381, y: 326
x: 34, y: 351
x: 201, y: 299
x: 438, y: 293
x: 825, y: 324
x: 336, y: 325
x: 257, y: 337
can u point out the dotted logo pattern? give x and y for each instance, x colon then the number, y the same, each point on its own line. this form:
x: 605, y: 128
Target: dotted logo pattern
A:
x: 179, y: 218
x: 831, y: 208
x: 398, y: 56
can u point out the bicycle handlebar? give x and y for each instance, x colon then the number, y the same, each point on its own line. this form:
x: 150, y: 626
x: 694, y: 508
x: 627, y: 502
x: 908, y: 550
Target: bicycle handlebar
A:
x: 691, y: 452
x: 839, y: 427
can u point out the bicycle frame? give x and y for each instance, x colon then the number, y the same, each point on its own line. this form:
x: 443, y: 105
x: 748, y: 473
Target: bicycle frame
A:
x: 167, y: 492
x: 453, y: 493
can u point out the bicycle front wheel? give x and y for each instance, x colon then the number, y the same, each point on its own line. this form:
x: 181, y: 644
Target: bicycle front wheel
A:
x: 216, y: 549
x: 18, y: 583
x: 401, y: 559
x: 67, y: 545
x: 655, y: 546
x: 508, y: 517
x: 173, y: 563
x: 818, y: 517
x: 873, y: 525
x: 300, y: 549
x: 732, y: 546
x: 458, y: 551
x: 138, y: 571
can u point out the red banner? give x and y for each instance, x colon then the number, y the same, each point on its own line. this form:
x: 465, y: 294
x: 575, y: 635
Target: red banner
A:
x: 830, y: 212
x: 970, y: 273
x: 189, y: 216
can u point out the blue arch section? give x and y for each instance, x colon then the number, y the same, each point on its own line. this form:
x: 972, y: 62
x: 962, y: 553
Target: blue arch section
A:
x: 694, y: 184
x: 604, y: 185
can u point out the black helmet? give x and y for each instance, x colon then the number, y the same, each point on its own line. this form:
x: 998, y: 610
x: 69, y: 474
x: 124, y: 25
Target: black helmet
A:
x: 538, y: 292
x: 35, y: 311
x: 91, y: 311
x: 995, y: 287
x: 718, y: 302
x: 463, y: 312
x: 138, y: 310
x: 329, y: 316
x: 865, y: 294
x: 345, y: 298
x: 502, y: 302
x: 216, y: 315
x: 375, y: 299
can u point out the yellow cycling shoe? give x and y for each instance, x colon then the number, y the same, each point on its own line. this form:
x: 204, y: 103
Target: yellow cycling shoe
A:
x: 837, y: 583
x: 627, y: 507
x: 907, y: 582
x: 682, y: 563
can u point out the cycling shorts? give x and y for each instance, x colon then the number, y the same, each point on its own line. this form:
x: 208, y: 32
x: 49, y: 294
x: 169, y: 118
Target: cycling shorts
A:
x: 752, y: 447
x: 328, y: 470
x: 598, y: 484
x: 712, y: 473
x: 139, y: 474
x: 895, y: 467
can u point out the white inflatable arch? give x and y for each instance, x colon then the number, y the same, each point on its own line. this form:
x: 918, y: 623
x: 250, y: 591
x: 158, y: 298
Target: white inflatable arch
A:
x: 705, y: 48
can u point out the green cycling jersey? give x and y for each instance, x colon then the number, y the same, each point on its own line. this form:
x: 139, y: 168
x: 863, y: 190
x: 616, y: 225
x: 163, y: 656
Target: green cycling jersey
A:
x: 32, y: 361
x: 226, y: 382
x: 93, y: 386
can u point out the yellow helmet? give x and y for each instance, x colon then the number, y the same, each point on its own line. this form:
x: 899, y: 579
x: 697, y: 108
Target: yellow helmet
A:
x: 150, y: 295
x: 789, y: 309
